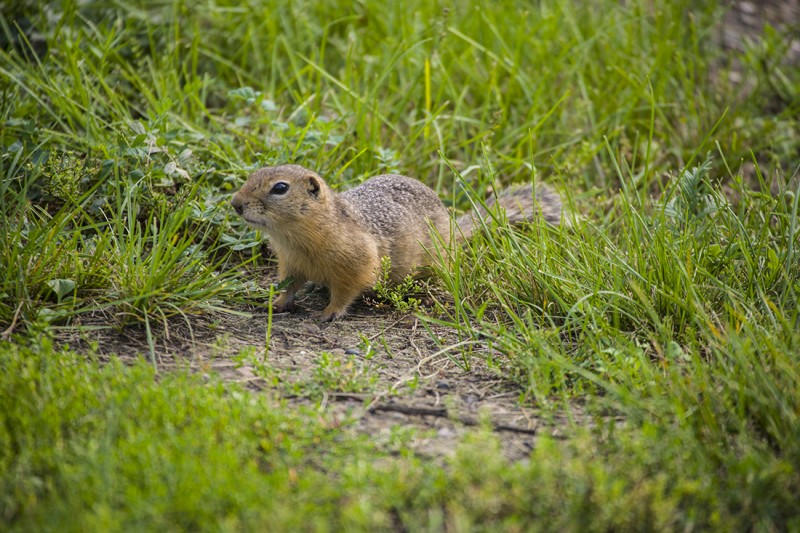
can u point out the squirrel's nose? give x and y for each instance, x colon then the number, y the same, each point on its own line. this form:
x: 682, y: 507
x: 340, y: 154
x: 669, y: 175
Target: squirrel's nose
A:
x: 237, y: 203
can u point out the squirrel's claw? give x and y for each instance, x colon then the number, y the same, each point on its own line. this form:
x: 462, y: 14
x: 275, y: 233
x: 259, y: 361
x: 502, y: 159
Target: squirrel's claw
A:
x: 330, y: 316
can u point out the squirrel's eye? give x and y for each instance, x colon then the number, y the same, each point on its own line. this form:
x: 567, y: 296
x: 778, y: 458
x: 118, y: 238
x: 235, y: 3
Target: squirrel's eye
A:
x: 279, y: 188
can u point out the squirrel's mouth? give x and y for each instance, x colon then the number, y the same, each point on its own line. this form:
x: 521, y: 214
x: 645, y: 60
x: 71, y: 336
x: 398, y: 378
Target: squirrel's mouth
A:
x: 257, y: 224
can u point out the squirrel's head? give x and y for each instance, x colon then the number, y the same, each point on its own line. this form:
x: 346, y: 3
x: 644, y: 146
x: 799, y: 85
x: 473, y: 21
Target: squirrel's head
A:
x: 274, y: 197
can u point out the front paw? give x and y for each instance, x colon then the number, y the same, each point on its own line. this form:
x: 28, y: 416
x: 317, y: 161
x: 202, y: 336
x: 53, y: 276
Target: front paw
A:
x: 283, y: 303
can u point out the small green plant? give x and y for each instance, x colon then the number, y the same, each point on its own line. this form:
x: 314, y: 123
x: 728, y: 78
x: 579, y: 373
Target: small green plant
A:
x: 368, y: 347
x: 258, y: 364
x: 401, y: 296
x: 343, y: 373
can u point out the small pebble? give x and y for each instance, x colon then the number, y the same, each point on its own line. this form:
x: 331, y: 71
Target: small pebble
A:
x: 443, y: 385
x: 352, y: 351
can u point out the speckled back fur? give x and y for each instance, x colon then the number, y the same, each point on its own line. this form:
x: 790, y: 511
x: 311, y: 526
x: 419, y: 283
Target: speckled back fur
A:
x: 387, y: 202
x: 399, y: 211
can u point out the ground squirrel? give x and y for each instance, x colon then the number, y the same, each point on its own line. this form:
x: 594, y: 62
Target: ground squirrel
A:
x: 338, y: 239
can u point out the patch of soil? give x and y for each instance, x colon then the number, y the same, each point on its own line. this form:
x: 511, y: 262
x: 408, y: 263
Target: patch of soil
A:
x: 741, y: 29
x: 744, y: 21
x: 417, y: 383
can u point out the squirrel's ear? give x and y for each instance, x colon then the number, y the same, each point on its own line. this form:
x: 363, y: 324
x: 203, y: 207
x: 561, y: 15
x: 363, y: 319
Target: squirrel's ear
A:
x: 313, y: 186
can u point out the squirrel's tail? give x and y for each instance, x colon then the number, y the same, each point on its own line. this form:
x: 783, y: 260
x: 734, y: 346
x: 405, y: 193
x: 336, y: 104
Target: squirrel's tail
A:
x: 520, y: 205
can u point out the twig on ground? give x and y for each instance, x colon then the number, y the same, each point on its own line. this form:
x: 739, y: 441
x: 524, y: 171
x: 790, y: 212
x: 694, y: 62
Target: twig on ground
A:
x: 7, y: 333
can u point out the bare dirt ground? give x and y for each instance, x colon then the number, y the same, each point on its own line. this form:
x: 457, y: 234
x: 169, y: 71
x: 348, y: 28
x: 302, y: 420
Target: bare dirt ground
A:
x: 744, y: 22
x: 410, y: 381
x: 739, y: 33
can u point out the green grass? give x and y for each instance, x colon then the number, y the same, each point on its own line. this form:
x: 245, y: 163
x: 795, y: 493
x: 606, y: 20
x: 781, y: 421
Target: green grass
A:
x: 670, y: 302
x: 110, y: 447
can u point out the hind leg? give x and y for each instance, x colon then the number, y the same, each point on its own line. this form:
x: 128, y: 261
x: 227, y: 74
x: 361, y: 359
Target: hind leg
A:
x: 341, y: 298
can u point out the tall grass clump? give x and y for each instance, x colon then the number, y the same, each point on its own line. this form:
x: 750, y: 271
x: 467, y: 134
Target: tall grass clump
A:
x: 412, y: 79
x: 692, y: 263
x: 102, y: 250
x: 681, y: 314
